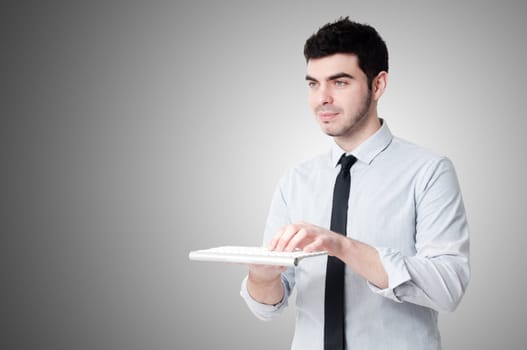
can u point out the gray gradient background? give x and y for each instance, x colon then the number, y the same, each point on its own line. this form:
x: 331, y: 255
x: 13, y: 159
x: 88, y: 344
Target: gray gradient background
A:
x: 130, y: 131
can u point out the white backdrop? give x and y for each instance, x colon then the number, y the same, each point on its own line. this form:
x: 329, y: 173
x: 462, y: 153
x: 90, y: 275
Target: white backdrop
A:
x: 134, y: 133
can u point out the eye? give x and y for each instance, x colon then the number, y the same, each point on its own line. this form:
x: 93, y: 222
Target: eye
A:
x: 312, y: 84
x: 341, y: 83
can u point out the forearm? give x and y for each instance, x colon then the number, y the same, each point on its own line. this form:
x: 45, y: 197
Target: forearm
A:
x: 364, y: 260
x: 438, y: 283
x: 265, y: 291
x: 435, y: 282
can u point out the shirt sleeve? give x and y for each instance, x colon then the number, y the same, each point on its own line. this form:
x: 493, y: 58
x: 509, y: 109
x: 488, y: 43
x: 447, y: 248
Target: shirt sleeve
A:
x: 438, y: 274
x: 265, y: 312
x: 277, y: 217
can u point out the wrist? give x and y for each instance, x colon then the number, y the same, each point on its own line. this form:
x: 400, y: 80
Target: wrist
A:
x: 344, y: 246
x: 266, y: 290
x: 263, y: 280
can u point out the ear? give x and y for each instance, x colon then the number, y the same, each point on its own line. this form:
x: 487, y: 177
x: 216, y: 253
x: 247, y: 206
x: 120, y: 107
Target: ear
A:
x: 379, y: 85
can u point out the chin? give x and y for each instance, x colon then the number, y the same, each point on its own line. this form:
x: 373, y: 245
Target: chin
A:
x: 330, y: 132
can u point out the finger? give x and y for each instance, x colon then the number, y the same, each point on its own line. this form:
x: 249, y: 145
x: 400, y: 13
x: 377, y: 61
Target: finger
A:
x: 314, y: 246
x: 284, y: 239
x: 276, y: 238
x: 297, y: 241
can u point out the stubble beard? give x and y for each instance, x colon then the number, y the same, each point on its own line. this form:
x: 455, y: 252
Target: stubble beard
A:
x: 354, y: 123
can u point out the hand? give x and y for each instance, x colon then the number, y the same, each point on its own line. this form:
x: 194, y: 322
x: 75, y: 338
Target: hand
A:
x: 265, y: 273
x: 360, y: 257
x: 264, y: 283
x: 309, y: 238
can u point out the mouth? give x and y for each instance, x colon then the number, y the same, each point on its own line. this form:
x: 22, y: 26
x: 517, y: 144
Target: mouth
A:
x: 327, y: 116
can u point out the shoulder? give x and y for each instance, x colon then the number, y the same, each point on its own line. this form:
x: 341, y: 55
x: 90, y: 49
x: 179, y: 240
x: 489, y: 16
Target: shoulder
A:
x: 308, y: 169
x: 423, y: 166
x: 313, y: 165
x: 408, y: 152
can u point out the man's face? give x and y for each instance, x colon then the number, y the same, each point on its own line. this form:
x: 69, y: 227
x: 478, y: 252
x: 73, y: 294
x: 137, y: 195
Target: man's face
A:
x: 338, y: 93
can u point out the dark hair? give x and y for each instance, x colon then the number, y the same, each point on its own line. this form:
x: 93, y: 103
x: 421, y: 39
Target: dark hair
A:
x: 345, y: 36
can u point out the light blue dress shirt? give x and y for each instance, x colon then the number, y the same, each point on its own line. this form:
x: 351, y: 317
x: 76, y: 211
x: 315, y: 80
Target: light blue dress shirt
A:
x: 405, y: 202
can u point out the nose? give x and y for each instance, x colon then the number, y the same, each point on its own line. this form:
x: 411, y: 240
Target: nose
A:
x: 325, y: 96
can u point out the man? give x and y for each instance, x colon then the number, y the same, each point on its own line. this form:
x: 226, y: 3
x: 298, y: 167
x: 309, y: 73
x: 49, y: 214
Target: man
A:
x: 402, y: 239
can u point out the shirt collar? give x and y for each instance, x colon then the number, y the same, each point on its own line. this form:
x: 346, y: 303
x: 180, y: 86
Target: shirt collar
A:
x: 369, y: 149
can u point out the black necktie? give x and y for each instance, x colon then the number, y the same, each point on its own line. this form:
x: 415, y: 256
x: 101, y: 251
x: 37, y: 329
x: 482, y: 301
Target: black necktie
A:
x: 334, y: 299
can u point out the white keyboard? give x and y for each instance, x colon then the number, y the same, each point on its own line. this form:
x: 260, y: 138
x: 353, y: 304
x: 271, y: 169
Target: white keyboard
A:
x: 251, y: 255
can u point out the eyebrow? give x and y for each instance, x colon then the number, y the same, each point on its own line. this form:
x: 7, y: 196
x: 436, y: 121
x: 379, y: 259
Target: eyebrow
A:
x: 332, y: 77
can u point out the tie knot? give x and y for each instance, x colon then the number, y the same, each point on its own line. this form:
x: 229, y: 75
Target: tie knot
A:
x: 346, y: 162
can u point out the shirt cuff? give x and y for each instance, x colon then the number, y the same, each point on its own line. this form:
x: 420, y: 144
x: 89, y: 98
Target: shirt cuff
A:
x: 393, y: 263
x: 264, y: 312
